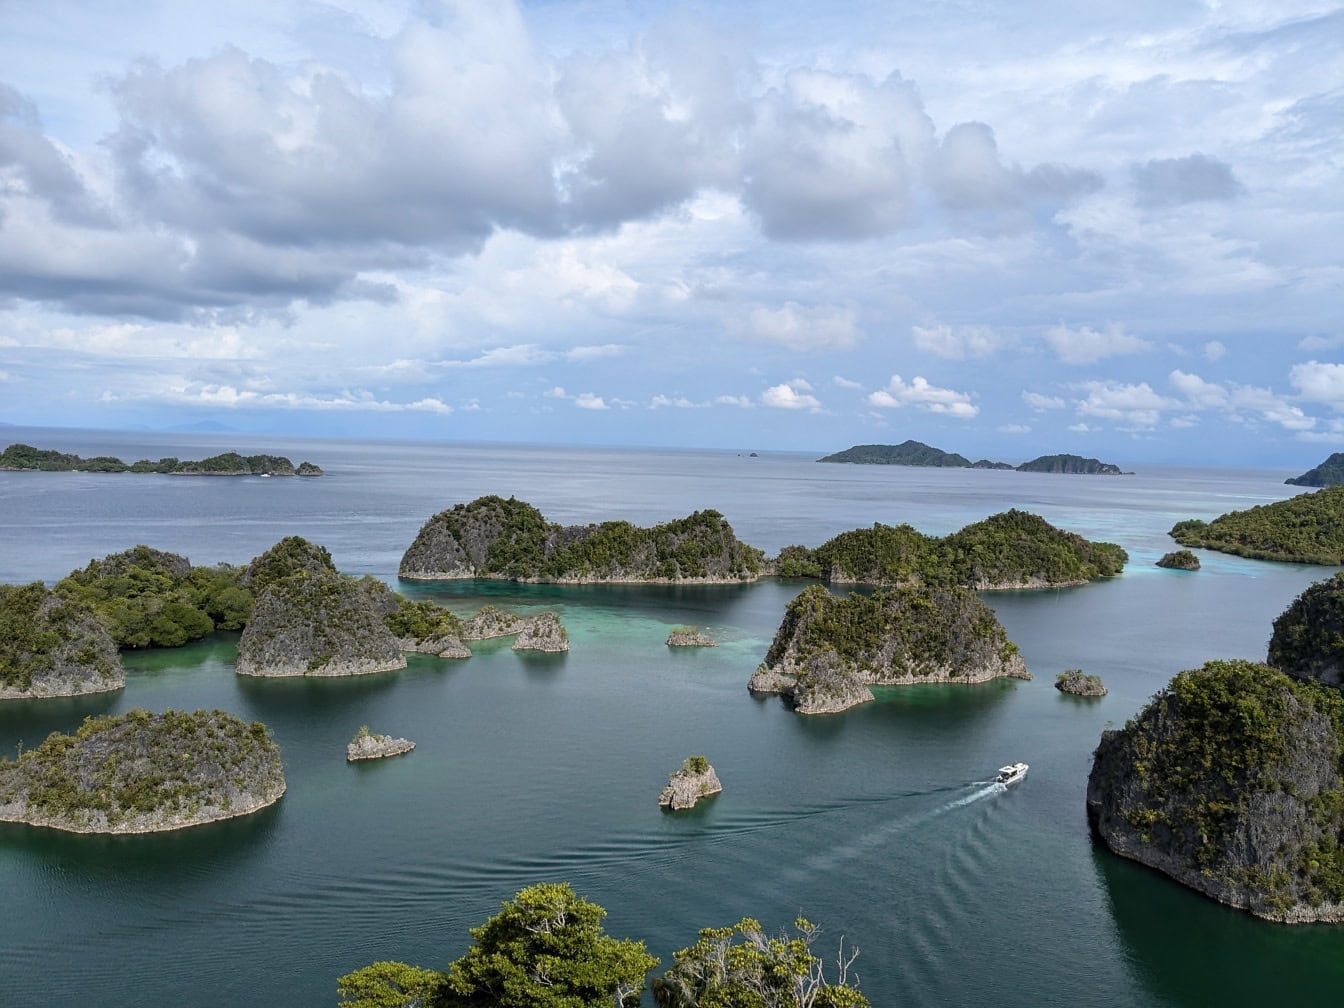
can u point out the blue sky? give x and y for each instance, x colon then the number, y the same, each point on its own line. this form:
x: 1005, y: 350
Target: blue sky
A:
x: 1004, y: 229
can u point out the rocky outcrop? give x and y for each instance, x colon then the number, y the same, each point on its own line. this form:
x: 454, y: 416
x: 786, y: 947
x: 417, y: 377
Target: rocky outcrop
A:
x: 689, y: 637
x: 366, y: 746
x: 143, y: 772
x: 51, y: 647
x: 510, y: 540
x: 1308, y: 637
x: 542, y: 632
x: 1077, y: 683
x: 1229, y: 782
x: 491, y: 621
x: 447, y: 646
x: 1179, y: 560
x: 316, y: 624
x: 828, y: 651
x: 694, y: 780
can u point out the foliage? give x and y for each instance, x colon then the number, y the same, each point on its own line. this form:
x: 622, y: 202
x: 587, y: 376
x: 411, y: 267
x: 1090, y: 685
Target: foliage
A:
x: 390, y: 985
x: 1308, y: 528
x: 695, y: 765
x: 1328, y: 473
x: 740, y: 967
x: 27, y: 643
x: 290, y: 555
x: 547, y: 949
x: 1069, y: 464
x: 22, y: 456
x: 1308, y: 638
x: 797, y: 561
x: 423, y: 620
x: 1077, y: 681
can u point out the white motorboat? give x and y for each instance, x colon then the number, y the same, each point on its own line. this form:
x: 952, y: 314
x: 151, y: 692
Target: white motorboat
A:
x: 1011, y: 774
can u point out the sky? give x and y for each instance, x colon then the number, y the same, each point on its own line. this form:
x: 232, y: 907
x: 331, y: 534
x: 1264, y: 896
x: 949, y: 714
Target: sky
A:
x: 1003, y: 229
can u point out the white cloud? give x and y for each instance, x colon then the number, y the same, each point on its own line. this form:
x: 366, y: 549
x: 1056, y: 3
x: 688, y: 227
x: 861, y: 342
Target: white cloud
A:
x: 1084, y: 345
x: 1214, y: 351
x: 1080, y: 428
x: 845, y: 383
x: 1040, y: 402
x: 960, y: 342
x: 790, y: 396
x: 1321, y: 343
x: 557, y: 392
x: 801, y: 328
x: 1198, y: 393
x: 1132, y: 405
x: 1013, y: 429
x: 1318, y: 382
x: 587, y: 353
x: 731, y: 400
x: 680, y: 402
x: 232, y: 397
x: 925, y: 396
x: 588, y: 401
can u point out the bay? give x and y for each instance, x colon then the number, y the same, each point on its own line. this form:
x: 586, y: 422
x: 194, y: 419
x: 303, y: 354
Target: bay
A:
x: 876, y: 823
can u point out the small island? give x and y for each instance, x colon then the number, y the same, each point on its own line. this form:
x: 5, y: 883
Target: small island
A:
x: 1179, y: 560
x: 19, y: 457
x: 688, y: 636
x: 1328, y: 473
x: 367, y: 745
x: 53, y: 647
x: 141, y: 773
x: 1074, y: 465
x: 829, y: 651
x: 1077, y: 683
x: 543, y: 632
x: 1308, y: 528
x: 916, y: 453
x: 510, y: 540
x: 695, y: 779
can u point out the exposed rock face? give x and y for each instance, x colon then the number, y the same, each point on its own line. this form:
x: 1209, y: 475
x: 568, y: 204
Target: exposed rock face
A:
x: 491, y: 621
x: 695, y: 779
x: 447, y: 646
x: 1229, y: 782
x: 1308, y: 638
x: 689, y: 637
x: 367, y: 745
x: 1179, y: 560
x: 1076, y: 682
x: 316, y: 625
x: 143, y: 772
x: 542, y: 632
x: 829, y: 650
x: 508, y: 539
x: 52, y: 647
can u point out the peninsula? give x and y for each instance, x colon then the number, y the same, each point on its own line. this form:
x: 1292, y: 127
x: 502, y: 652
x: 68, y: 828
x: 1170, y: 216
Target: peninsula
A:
x: 509, y: 540
x: 1328, y: 473
x: 916, y: 453
x: 142, y: 773
x: 1308, y: 528
x: 22, y: 457
x: 52, y: 647
x: 829, y: 651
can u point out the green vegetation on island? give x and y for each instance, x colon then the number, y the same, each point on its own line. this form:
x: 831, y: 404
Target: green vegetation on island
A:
x: 547, y: 949
x: 1308, y: 637
x: 1179, y: 560
x: 1308, y: 528
x: 1328, y: 473
x: 916, y: 453
x: 52, y: 646
x: 22, y: 456
x: 1072, y: 465
x: 1079, y: 683
x: 142, y: 772
x: 508, y: 539
x: 1014, y: 549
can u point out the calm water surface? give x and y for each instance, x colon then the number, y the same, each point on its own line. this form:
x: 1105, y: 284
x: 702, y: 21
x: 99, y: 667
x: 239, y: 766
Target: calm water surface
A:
x: 877, y: 823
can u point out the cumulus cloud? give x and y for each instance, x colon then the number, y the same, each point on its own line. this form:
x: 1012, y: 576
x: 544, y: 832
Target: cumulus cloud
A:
x: 1135, y: 406
x: 791, y: 396
x: 845, y: 383
x: 1085, y: 345
x: 1198, y: 392
x: 1321, y: 383
x: 921, y: 394
x: 969, y: 175
x: 1214, y: 351
x: 230, y: 396
x: 680, y: 402
x: 1040, y: 402
x: 1171, y: 181
x: 589, y: 401
x: 742, y: 402
x: 959, y: 342
x: 803, y: 328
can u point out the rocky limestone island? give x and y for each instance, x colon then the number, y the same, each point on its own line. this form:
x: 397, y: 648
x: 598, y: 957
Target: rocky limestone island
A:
x: 366, y: 746
x: 1014, y: 549
x: 1328, y: 473
x: 829, y: 651
x: 141, y: 772
x: 542, y: 632
x: 510, y: 540
x: 492, y: 621
x: 688, y: 636
x: 1179, y: 560
x: 53, y: 647
x: 1078, y: 683
x: 1229, y: 782
x: 1308, y: 528
x: 1308, y: 638
x: 22, y: 457
x: 695, y: 779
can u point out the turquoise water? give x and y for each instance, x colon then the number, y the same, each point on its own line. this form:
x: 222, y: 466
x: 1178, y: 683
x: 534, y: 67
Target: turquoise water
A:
x: 877, y: 823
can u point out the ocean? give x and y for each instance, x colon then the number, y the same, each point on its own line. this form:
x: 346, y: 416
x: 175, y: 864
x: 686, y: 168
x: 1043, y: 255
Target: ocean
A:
x: 879, y: 823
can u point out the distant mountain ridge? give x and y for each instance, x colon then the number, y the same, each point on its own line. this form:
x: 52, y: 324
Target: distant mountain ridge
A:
x: 916, y: 453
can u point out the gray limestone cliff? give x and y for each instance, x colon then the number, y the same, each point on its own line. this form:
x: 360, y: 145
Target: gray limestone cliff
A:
x: 367, y: 745
x: 492, y: 621
x: 52, y: 647
x: 1078, y: 683
x: 689, y: 637
x: 695, y: 779
x: 828, y: 651
x: 542, y: 632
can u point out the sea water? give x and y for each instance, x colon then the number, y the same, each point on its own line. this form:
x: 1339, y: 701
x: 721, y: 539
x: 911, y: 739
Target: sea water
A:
x: 879, y: 823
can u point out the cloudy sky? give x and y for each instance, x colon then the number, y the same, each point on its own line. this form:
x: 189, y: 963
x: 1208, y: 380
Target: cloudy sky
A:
x: 1001, y: 228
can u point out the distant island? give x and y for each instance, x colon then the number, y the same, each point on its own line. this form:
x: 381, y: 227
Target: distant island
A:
x: 916, y: 453
x: 141, y: 773
x: 1308, y: 528
x: 1329, y: 473
x: 20, y: 457
x: 828, y: 651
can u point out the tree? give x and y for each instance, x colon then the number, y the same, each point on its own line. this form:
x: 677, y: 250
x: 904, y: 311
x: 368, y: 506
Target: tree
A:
x: 390, y: 985
x: 739, y: 967
x: 546, y: 949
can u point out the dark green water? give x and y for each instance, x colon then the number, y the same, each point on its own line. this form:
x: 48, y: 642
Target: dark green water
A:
x: 877, y: 823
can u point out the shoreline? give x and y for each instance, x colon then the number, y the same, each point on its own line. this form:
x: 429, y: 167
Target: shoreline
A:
x: 65, y: 827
